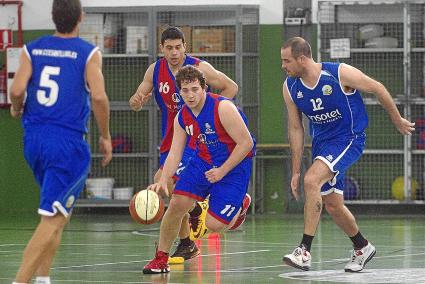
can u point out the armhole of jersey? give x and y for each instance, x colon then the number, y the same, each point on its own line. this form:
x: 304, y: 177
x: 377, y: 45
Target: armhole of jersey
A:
x: 341, y: 86
x: 155, y: 75
x: 180, y: 118
x: 27, y: 52
x: 95, y: 49
x: 287, y: 89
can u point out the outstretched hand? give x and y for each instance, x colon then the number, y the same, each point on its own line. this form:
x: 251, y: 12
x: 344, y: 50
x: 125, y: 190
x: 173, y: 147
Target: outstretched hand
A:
x: 404, y: 126
x: 137, y: 101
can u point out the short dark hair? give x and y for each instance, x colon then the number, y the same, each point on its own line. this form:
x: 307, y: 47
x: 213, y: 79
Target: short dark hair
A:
x: 66, y: 14
x: 190, y: 73
x: 172, y: 33
x: 299, y: 46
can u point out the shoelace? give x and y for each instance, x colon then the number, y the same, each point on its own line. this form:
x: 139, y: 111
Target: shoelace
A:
x: 354, y: 254
x: 297, y: 252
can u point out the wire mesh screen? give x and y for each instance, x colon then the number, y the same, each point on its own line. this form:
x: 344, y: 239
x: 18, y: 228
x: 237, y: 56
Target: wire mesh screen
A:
x: 129, y: 39
x: 377, y: 46
x: 211, y: 35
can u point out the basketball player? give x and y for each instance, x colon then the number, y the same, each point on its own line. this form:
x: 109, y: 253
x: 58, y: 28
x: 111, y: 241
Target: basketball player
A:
x: 212, y: 126
x: 160, y: 79
x: 56, y: 72
x: 329, y: 95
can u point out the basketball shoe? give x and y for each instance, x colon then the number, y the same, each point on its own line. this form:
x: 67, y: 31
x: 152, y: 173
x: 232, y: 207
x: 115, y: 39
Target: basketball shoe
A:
x: 359, y: 258
x: 185, y: 252
x: 242, y: 216
x: 197, y: 224
x: 157, y: 265
x: 300, y: 258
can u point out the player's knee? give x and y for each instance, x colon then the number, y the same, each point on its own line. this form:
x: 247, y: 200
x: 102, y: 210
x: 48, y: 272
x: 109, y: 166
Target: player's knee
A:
x: 214, y: 225
x: 333, y: 207
x: 310, y: 182
x: 179, y: 205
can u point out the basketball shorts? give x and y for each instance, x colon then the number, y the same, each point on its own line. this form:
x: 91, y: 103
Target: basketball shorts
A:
x: 225, y: 196
x: 187, y: 155
x: 338, y: 156
x: 60, y: 162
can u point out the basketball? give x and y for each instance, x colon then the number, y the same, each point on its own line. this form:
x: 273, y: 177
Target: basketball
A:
x: 146, y: 207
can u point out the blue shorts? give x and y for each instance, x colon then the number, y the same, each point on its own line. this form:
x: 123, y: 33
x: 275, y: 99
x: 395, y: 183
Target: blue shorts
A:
x: 187, y: 155
x: 226, y: 195
x: 60, y: 164
x: 338, y: 156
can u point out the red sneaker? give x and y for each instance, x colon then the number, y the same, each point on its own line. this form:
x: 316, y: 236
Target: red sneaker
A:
x: 157, y: 265
x: 245, y: 205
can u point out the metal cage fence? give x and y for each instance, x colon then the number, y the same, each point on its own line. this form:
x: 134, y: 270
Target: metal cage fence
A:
x: 386, y: 41
x: 224, y: 35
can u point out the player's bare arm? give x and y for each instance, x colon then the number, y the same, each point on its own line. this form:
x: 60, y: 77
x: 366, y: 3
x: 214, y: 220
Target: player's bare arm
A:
x: 173, y: 159
x: 356, y: 79
x: 19, y: 85
x: 296, y: 139
x: 237, y: 130
x: 144, y: 91
x: 100, y: 105
x: 219, y: 80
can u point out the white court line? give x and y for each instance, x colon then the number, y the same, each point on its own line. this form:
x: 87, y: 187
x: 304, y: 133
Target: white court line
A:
x: 318, y: 262
x: 317, y: 246
x: 145, y: 260
x: 143, y: 234
x: 98, y: 281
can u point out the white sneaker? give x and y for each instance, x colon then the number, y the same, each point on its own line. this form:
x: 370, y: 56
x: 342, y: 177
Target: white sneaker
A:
x: 359, y: 258
x: 300, y: 258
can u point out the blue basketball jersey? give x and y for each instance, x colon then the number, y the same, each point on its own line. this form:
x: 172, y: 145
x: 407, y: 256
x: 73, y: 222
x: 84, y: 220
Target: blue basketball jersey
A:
x: 332, y: 113
x: 57, y: 93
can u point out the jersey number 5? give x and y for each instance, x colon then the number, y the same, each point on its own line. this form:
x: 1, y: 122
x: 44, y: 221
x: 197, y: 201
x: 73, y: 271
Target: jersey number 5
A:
x: 47, y: 82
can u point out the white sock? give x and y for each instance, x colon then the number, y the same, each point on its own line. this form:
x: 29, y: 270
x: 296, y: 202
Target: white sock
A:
x: 42, y: 280
x: 18, y: 283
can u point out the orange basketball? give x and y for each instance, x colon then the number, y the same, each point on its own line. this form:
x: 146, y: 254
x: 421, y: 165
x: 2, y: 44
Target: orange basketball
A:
x: 146, y: 207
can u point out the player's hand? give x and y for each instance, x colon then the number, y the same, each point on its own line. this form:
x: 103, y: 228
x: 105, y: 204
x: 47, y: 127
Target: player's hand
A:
x: 295, y: 182
x: 160, y: 187
x: 16, y: 113
x: 404, y: 126
x: 105, y: 146
x: 137, y: 101
x: 215, y: 174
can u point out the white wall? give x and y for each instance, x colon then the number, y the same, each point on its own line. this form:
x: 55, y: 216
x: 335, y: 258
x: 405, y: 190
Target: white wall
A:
x: 36, y: 13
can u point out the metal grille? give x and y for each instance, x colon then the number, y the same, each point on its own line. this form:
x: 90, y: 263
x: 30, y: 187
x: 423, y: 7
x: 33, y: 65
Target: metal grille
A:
x: 379, y: 34
x: 129, y: 37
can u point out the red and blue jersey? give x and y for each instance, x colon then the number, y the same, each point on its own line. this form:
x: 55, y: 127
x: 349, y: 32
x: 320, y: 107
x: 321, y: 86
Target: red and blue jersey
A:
x: 207, y: 135
x: 167, y: 96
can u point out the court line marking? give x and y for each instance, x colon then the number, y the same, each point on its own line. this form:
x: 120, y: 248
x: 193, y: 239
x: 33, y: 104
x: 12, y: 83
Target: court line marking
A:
x: 316, y: 245
x: 145, y: 260
x: 97, y: 281
x: 325, y: 261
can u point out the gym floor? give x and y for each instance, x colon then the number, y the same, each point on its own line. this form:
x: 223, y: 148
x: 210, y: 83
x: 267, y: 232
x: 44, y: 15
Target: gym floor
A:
x: 113, y: 249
